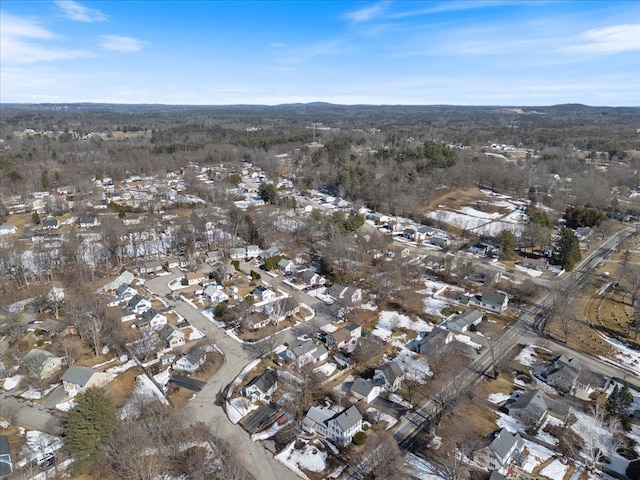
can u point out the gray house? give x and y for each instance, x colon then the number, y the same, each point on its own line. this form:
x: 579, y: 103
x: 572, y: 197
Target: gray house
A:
x: 389, y: 376
x: 532, y: 407
x: 505, y: 449
x: 569, y: 375
x: 434, y: 342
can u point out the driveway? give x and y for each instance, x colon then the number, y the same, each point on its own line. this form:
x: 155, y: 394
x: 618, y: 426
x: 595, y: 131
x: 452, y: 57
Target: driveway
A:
x: 33, y: 417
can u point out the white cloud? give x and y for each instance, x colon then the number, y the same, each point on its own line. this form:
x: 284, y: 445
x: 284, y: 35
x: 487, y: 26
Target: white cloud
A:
x: 366, y: 14
x: 24, y: 40
x: 119, y: 43
x: 277, y: 45
x: 79, y: 13
x: 607, y: 40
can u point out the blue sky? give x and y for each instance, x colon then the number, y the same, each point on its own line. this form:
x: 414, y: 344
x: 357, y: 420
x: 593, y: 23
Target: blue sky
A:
x: 389, y: 52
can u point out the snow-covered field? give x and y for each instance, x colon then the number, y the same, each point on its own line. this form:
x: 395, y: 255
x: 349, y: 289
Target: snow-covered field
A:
x: 195, y: 334
x: 37, y: 445
x: 485, y: 223
x: 326, y: 369
x: 528, y: 355
x: 498, y: 398
x: 466, y: 339
x: 537, y: 455
x: 627, y: 357
x: 390, y: 321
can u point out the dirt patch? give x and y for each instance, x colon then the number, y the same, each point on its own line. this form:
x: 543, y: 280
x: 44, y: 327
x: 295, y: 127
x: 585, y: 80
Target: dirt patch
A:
x: 457, y: 198
x: 122, y: 386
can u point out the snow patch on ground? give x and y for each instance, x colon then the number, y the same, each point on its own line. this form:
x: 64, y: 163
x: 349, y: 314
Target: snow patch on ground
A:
x: 66, y: 406
x: 310, y: 458
x: 145, y: 392
x: 390, y: 321
x: 419, y: 468
x: 537, y: 455
x: 195, y: 334
x: 369, y: 306
x: 379, y: 416
x: 34, y: 394
x: 12, y: 382
x: 627, y: 357
x: 415, y: 366
x: 326, y: 369
x: 37, y: 445
x: 555, y: 470
x: 239, y: 407
x: 122, y: 368
x: 466, y: 339
x: 528, y: 355
x: 509, y: 423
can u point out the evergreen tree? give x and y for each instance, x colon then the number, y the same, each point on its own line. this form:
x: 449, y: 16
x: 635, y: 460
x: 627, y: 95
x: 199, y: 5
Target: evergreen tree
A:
x: 35, y: 218
x: 268, y: 193
x: 44, y: 179
x: 619, y: 401
x: 507, y: 244
x: 569, y: 254
x: 87, y: 425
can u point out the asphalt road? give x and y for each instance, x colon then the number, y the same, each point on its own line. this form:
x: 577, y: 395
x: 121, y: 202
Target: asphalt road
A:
x: 205, y: 407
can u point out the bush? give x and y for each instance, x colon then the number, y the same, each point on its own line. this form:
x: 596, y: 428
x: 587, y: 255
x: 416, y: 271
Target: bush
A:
x: 359, y: 438
x: 255, y: 275
x: 236, y: 264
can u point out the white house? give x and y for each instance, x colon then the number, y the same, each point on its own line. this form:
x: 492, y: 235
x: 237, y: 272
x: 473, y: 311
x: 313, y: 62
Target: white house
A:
x: 365, y: 390
x: 237, y: 253
x: 253, y: 251
x: 262, y: 386
x: 303, y: 353
x: 191, y: 361
x: 339, y: 427
x: 263, y: 294
x: 286, y: 266
x: 493, y: 301
x: 461, y: 323
x: 138, y: 304
x: 193, y: 278
x: 214, y: 294
x: 389, y: 376
x: 126, y: 292
x: 152, y: 319
x: 8, y: 230
x: 171, y: 336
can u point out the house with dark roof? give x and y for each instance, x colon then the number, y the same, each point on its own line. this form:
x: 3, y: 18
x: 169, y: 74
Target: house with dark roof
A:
x: 237, y: 253
x: 365, y: 390
x: 126, y: 292
x: 389, y: 376
x: 338, y: 291
x: 532, y: 407
x: 461, y: 323
x: 50, y: 223
x: 77, y: 379
x: 171, y: 336
x: 341, y: 338
x: 434, y: 343
x: 152, y: 318
x: 263, y: 294
x: 89, y: 221
x: 192, y: 360
x: 493, y: 301
x: 153, y: 266
x: 138, y: 304
x: 505, y: 449
x: 339, y: 427
x: 269, y: 252
x: 287, y: 266
x: 6, y: 465
x: 262, y: 386
x: 569, y: 375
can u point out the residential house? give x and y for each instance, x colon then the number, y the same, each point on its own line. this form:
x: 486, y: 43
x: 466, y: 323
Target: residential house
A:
x: 439, y: 241
x: 237, y: 253
x: 89, y: 221
x: 193, y: 278
x: 434, y: 343
x: 114, y: 301
x: 287, y: 266
x: 493, y: 301
x: 484, y: 249
x: 126, y: 292
x: 505, y: 449
x: 138, y: 304
x: 569, y: 375
x: 262, y: 386
x: 125, y: 277
x: 171, y: 336
x: 365, y: 390
x: 42, y: 364
x: 153, y: 266
x: 183, y: 261
x: 253, y: 251
x: 50, y: 223
x: 303, y: 353
x: 172, y: 262
x: 281, y: 309
x: 269, y: 252
x: 354, y: 329
x: 215, y: 294
x: 6, y: 464
x: 257, y: 320
x: 461, y: 323
x: 213, y: 256
x: 152, y: 319
x: 532, y: 407
x: 339, y: 427
x: 311, y: 277
x: 263, y: 294
x: 192, y: 360
x: 338, y: 291
x: 166, y: 359
x: 389, y: 376
x: 342, y: 338
x: 77, y: 379
x: 409, y: 233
